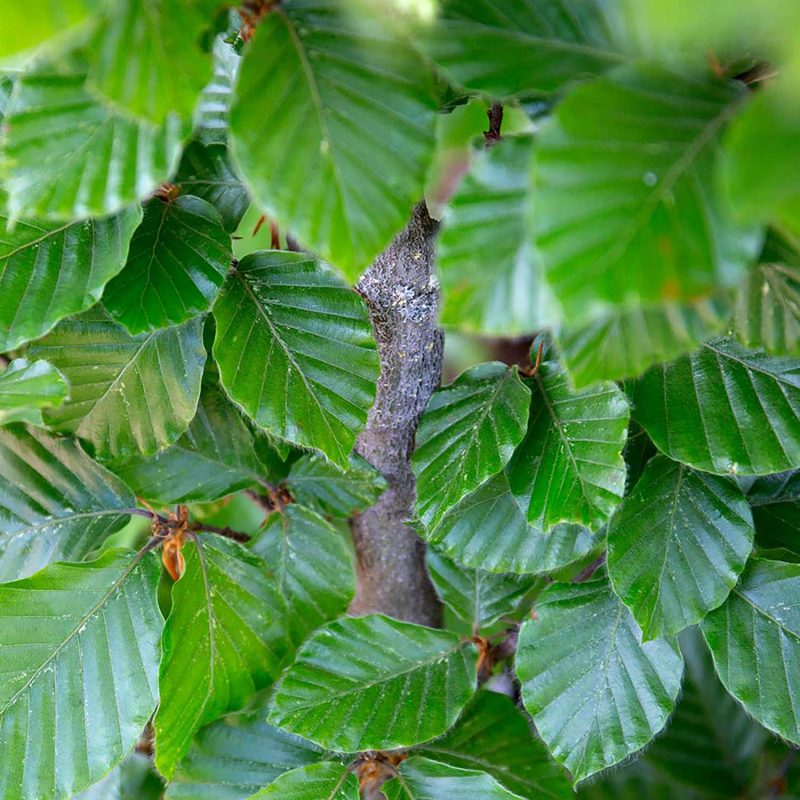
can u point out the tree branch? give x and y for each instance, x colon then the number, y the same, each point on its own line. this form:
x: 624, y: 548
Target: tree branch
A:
x: 402, y: 298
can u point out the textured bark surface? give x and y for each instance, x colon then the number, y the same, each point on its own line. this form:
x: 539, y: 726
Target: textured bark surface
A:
x: 403, y: 299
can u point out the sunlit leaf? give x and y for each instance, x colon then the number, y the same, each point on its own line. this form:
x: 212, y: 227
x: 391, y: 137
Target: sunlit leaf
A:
x: 723, y: 409
x: 354, y: 98
x: 677, y: 545
x: 224, y: 639
x: 467, y: 434
x: 373, y: 683
x: 78, y: 664
x: 26, y: 386
x: 310, y: 335
x: 56, y: 504
x: 178, y: 259
x: 129, y: 395
x: 49, y: 270
x: 596, y: 692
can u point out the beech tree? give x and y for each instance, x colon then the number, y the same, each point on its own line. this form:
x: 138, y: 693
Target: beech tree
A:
x: 253, y: 544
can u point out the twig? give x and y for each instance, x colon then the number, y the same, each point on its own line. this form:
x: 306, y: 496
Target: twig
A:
x: 495, y: 115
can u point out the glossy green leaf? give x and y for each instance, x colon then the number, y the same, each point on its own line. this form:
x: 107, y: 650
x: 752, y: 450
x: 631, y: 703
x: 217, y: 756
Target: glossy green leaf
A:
x: 493, y: 736
x: 313, y: 564
x: 56, y: 504
x: 476, y: 596
x: 177, y: 262
x: 147, y: 59
x: 423, y: 779
x: 234, y: 757
x: 711, y: 746
x: 755, y: 640
x: 467, y: 434
x: 767, y: 313
x: 78, y: 664
x: 356, y: 100
x: 69, y: 155
x: 509, y: 47
x: 625, y: 343
x: 26, y: 386
x: 211, y: 117
x: 35, y: 23
x: 324, y: 781
x: 597, y: 693
x: 205, y: 171
x: 129, y: 395
x: 723, y: 409
x: 225, y: 639
x: 677, y: 545
x: 322, y: 486
x: 625, y: 210
x: 374, y: 683
x: 311, y: 338
x: 569, y: 466
x: 49, y: 270
x: 492, y: 281
x: 763, y: 167
x: 488, y: 530
x: 214, y: 458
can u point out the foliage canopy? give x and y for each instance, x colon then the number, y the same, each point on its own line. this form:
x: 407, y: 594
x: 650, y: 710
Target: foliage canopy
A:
x: 189, y: 192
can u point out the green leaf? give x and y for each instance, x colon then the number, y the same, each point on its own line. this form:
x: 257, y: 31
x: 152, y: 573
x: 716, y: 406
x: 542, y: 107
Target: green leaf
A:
x: 310, y: 335
x: 711, y: 745
x: 147, y: 59
x: 71, y: 156
x: 26, y: 386
x: 723, y: 409
x: 36, y: 22
x: 597, y: 693
x: 507, y: 47
x: 493, y: 736
x: 78, y: 666
x: 569, y: 466
x: 467, y: 434
x: 314, y: 566
x: 767, y: 313
x: 225, y: 639
x: 488, y: 530
x: 373, y: 683
x: 677, y: 545
x: 322, y: 486
x: 492, y: 281
x: 235, y: 756
x: 205, y: 171
x: 626, y: 342
x: 762, y: 167
x: 355, y: 100
x: 755, y: 640
x: 178, y: 259
x: 422, y: 779
x: 323, y: 781
x: 476, y: 596
x: 625, y: 213
x: 49, y: 270
x: 211, y: 117
x: 56, y: 504
x: 214, y: 458
x: 129, y: 395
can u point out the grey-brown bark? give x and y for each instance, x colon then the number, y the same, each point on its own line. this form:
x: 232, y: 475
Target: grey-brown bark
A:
x: 402, y: 297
